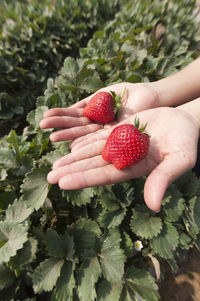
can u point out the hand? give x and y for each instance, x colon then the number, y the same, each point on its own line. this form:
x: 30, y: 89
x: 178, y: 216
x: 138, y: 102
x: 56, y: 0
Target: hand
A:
x: 137, y: 97
x: 173, y: 150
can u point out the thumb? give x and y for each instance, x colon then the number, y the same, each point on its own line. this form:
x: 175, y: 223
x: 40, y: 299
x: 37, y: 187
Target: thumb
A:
x: 171, y: 168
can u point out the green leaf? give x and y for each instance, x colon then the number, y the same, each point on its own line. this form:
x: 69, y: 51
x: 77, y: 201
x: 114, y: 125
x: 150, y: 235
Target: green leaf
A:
x: 188, y: 184
x: 109, y: 291
x: 60, y: 246
x: 185, y: 241
x: 112, y: 257
x: 193, y: 216
x: 145, y: 225
x: 127, y: 244
x: 166, y: 242
x: 12, y: 238
x: 12, y: 139
x: 87, y: 276
x: 18, y: 211
x: 91, y: 84
x: 25, y: 255
x: 7, y: 277
x: 173, y: 204
x: 46, y: 274
x: 112, y: 219
x: 7, y: 158
x: 86, y: 234
x: 70, y: 67
x: 139, y: 282
x: 51, y: 157
x: 80, y: 197
x: 35, y: 187
x: 6, y: 198
x: 34, y: 117
x: 66, y: 282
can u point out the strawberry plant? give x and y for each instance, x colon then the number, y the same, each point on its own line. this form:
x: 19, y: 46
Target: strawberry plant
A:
x: 97, y: 243
x: 35, y: 37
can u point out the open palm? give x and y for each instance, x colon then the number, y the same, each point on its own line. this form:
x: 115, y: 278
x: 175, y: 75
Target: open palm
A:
x: 173, y: 150
x: 137, y: 97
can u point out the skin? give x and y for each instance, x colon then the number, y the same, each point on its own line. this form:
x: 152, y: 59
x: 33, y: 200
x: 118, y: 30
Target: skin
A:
x: 173, y: 148
x: 172, y: 152
x: 137, y: 97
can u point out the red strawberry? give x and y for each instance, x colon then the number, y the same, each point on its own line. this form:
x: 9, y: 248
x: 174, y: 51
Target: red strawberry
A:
x: 126, y: 145
x: 102, y: 107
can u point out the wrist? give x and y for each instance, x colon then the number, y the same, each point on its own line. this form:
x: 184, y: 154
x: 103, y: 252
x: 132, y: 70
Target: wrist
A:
x: 180, y: 87
x: 193, y: 109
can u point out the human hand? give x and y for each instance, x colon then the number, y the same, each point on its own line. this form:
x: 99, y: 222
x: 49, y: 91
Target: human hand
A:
x: 137, y: 97
x: 173, y: 150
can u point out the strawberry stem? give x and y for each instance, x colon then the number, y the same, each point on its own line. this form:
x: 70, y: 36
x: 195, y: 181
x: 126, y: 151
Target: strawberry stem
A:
x: 140, y: 128
x: 118, y: 99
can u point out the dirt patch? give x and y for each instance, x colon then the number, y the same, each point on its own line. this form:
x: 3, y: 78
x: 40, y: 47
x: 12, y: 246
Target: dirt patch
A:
x: 185, y: 285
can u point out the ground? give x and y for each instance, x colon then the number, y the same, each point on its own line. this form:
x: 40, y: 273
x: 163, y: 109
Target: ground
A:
x: 185, y: 285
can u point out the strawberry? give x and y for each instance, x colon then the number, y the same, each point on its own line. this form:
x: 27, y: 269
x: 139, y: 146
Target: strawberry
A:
x: 126, y: 145
x: 102, y: 107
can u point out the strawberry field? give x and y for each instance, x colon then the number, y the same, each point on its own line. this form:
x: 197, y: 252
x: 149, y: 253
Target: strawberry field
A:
x: 80, y: 245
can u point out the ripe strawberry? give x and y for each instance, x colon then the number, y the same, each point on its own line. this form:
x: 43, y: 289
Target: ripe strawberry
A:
x: 126, y: 145
x: 102, y: 107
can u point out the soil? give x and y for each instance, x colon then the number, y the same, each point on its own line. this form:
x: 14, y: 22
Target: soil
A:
x: 185, y: 285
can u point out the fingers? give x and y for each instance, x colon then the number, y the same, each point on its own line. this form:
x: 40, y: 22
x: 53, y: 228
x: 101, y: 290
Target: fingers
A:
x: 105, y: 174
x: 75, y: 112
x: 63, y: 122
x: 92, y: 177
x: 171, y: 168
x: 55, y: 175
x: 89, y: 139
x: 88, y: 151
x: 74, y: 132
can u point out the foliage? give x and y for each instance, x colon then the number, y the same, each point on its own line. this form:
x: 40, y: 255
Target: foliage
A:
x: 79, y: 245
x: 35, y: 37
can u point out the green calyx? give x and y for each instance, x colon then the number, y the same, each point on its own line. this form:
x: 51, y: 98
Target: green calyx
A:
x: 117, y: 99
x: 140, y: 128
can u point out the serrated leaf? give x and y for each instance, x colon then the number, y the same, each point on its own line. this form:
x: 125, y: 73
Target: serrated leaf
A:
x: 18, y: 211
x: 112, y: 257
x: 139, y: 283
x: 185, y: 240
x: 127, y: 244
x: 70, y: 67
x: 192, y: 220
x: 12, y: 238
x: 6, y: 198
x: 51, y: 157
x: 173, y: 204
x: 112, y: 219
x: 166, y: 242
x: 35, y: 187
x: 12, y: 139
x: 87, y: 276
x: 194, y: 210
x: 7, y: 277
x: 145, y: 225
x: 66, y: 282
x: 46, y: 274
x: 86, y: 234
x: 60, y: 246
x: 91, y: 84
x: 188, y: 184
x: 34, y: 117
x: 109, y: 291
x: 80, y: 197
x: 25, y: 255
x: 7, y: 158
